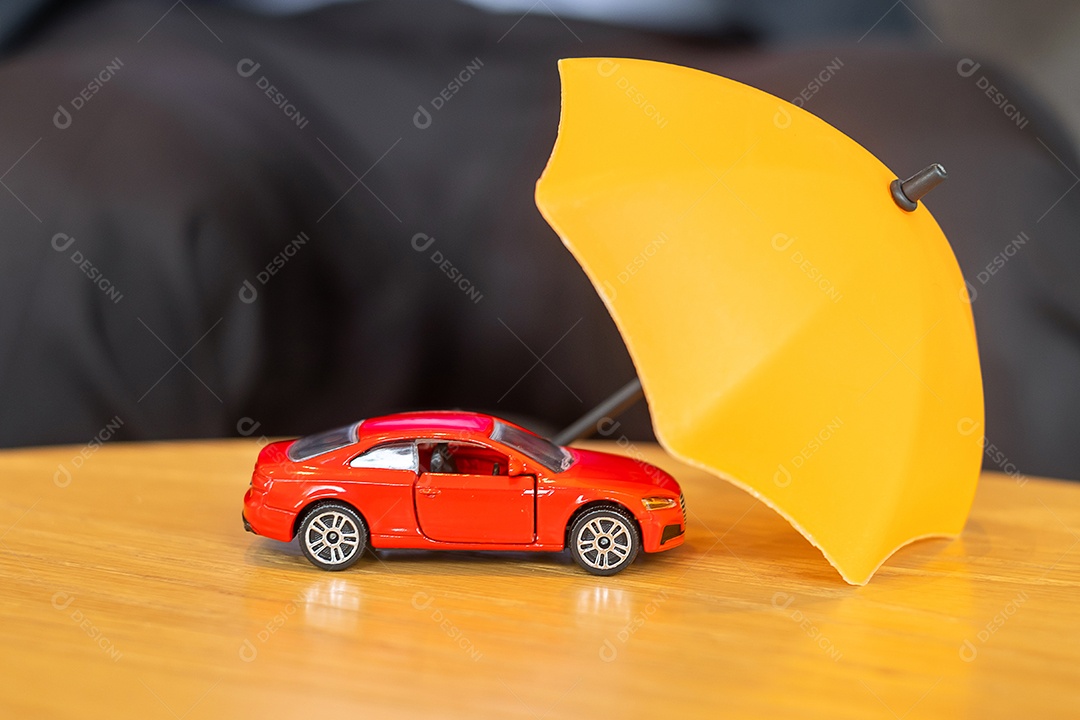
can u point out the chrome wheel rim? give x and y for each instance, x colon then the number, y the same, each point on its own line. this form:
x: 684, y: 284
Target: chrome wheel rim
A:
x: 332, y: 537
x: 604, y: 542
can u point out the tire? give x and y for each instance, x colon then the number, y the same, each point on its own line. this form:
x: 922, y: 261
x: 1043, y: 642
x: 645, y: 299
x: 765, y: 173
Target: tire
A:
x: 604, y: 540
x: 333, y: 536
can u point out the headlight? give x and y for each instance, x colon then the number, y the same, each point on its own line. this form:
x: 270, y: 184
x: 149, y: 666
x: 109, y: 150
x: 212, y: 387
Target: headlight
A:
x: 659, y: 503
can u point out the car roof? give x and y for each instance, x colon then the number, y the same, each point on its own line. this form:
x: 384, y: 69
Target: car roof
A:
x: 419, y: 423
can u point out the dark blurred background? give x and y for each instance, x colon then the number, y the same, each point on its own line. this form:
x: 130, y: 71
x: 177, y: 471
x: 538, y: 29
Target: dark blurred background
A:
x: 271, y: 217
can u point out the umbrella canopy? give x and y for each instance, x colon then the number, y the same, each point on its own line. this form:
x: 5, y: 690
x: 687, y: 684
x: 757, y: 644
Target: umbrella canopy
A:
x: 796, y: 331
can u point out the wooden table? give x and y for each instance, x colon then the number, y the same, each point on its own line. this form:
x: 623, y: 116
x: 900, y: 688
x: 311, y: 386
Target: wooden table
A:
x: 129, y: 589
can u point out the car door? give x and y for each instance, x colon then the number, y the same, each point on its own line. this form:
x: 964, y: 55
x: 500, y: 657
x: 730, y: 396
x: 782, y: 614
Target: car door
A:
x: 380, y: 486
x: 469, y: 497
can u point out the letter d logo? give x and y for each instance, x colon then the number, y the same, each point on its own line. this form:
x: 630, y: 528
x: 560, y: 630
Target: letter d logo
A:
x: 782, y: 477
x: 607, y: 68
x: 781, y: 241
x: 967, y: 67
x: 422, y: 241
x: 62, y: 600
x: 61, y: 242
x: 422, y: 118
x: 782, y: 600
x: 782, y: 118
x: 248, y: 293
x: 247, y: 651
x: 62, y: 118
x: 247, y: 67
x: 62, y: 476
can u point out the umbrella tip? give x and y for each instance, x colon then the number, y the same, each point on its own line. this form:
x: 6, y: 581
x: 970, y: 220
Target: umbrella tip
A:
x: 907, y: 193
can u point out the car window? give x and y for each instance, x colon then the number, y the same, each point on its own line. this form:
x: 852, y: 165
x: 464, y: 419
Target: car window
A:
x: 450, y: 457
x: 320, y: 443
x: 554, y: 458
x: 397, y: 456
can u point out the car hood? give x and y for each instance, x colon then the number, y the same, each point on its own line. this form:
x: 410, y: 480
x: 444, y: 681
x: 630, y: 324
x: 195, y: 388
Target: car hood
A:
x: 608, y: 468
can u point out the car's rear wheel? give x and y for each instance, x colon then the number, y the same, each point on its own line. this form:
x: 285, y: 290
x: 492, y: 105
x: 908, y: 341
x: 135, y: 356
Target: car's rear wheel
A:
x: 604, y: 540
x: 333, y: 536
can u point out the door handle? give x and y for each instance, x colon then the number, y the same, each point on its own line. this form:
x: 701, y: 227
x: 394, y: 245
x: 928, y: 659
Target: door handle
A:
x: 429, y: 491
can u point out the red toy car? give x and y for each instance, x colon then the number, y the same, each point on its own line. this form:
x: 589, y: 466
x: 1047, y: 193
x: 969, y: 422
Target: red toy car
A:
x: 459, y: 481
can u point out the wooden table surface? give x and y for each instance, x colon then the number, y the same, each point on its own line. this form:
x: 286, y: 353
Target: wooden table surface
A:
x: 128, y: 588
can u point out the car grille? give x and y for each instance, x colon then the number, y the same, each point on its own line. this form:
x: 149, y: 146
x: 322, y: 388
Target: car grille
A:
x: 682, y: 504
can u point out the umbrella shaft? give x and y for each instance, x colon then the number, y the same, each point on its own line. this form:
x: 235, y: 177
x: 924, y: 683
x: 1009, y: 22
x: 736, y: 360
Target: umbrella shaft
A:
x: 622, y: 399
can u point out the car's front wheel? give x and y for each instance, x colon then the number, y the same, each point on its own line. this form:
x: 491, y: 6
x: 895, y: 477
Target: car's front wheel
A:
x: 604, y: 540
x: 333, y: 536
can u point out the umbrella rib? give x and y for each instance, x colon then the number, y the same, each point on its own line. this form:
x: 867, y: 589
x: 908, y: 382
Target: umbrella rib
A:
x: 615, y: 404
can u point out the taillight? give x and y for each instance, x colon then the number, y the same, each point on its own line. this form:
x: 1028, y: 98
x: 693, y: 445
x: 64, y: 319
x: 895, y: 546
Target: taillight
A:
x: 260, y: 482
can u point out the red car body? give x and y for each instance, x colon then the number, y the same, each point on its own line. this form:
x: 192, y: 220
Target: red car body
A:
x: 508, y: 489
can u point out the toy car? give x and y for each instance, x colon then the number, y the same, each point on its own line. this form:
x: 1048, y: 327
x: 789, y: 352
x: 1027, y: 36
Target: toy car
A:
x: 459, y: 481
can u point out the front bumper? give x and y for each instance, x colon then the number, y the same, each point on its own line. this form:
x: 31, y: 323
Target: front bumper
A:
x: 662, y: 529
x: 671, y: 532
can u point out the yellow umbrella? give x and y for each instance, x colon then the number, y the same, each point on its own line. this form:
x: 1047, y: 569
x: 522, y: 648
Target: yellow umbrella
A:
x: 797, y: 319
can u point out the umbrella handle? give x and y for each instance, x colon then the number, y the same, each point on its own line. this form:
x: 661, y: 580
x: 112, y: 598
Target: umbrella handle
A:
x: 622, y: 399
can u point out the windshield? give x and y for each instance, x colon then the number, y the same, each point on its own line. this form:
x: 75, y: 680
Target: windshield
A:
x: 545, y: 452
x: 308, y: 447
